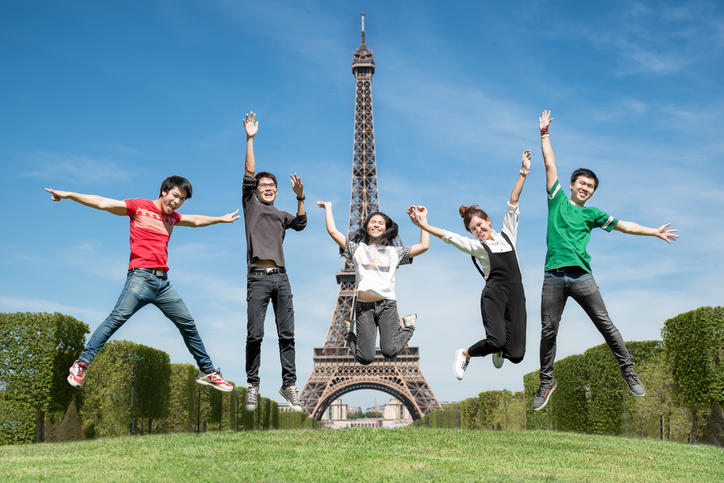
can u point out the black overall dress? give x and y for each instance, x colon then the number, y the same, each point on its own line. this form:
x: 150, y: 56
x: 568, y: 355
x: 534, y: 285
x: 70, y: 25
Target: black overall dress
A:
x: 502, y: 305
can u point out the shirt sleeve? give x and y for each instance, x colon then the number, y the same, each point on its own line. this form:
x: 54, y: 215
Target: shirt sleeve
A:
x: 470, y: 246
x: 510, y: 222
x: 403, y: 254
x: 296, y: 223
x: 131, y: 207
x: 349, y: 248
x: 247, y: 188
x: 555, y: 192
x: 603, y: 220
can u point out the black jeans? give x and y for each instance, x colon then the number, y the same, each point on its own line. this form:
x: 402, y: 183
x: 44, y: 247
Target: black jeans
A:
x: 370, y: 315
x: 260, y: 289
x: 557, y: 287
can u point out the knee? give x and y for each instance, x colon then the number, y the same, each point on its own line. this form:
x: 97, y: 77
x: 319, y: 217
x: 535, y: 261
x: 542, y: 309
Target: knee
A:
x: 365, y: 360
x: 495, y: 344
x: 388, y: 353
x: 517, y: 356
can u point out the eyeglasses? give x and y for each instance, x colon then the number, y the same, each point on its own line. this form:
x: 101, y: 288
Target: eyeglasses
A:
x: 266, y: 185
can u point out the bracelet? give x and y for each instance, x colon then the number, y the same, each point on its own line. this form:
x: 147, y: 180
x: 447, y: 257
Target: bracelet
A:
x: 524, y: 171
x: 302, y: 198
x: 544, y: 131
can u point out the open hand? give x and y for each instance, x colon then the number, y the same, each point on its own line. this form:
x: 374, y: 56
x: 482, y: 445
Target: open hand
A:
x: 324, y: 204
x: 297, y: 185
x: 545, y: 119
x: 230, y: 217
x: 57, y: 195
x: 667, y: 235
x: 250, y: 124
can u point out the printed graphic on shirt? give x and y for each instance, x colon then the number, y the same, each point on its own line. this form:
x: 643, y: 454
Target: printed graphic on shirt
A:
x: 154, y: 221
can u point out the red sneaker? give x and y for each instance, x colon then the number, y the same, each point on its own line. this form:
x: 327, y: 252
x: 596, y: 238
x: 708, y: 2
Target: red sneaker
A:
x: 77, y: 374
x: 215, y: 380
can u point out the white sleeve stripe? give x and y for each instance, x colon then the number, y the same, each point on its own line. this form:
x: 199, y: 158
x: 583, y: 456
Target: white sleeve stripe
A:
x: 555, y: 191
x: 608, y: 222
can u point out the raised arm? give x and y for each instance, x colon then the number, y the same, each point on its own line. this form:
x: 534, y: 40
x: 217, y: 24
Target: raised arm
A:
x: 420, y: 214
x: 545, y: 143
x: 298, y: 189
x: 631, y: 228
x: 196, y: 221
x: 524, y: 170
x: 251, y: 126
x: 418, y: 217
x: 336, y: 235
x: 117, y: 207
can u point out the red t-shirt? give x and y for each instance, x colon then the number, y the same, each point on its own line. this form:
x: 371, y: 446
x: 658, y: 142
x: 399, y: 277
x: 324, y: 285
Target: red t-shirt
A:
x: 150, y: 231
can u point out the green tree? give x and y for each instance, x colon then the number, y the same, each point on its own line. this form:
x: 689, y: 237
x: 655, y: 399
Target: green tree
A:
x: 694, y: 347
x: 37, y: 347
x: 182, y: 402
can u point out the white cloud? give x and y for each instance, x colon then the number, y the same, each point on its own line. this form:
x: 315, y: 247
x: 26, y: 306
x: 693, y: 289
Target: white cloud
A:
x: 74, y: 168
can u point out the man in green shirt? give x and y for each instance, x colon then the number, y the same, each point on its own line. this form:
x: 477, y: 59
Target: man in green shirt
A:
x: 568, y: 267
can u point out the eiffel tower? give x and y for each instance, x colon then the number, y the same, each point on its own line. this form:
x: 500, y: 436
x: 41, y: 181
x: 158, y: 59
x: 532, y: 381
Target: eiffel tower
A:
x: 335, y: 371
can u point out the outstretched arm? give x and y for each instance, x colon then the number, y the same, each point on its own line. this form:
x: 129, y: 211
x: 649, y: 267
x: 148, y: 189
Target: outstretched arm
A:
x: 251, y: 126
x: 420, y: 213
x: 632, y: 228
x: 336, y: 235
x: 545, y: 143
x: 203, y: 220
x: 524, y: 170
x: 418, y: 217
x: 117, y: 207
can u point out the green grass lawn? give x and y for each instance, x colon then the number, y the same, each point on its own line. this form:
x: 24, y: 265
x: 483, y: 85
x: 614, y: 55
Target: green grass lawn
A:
x: 410, y: 454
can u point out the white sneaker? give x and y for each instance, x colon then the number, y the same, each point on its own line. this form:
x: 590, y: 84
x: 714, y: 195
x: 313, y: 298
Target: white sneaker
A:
x: 252, y: 392
x: 409, y: 321
x: 460, y: 364
x: 215, y: 380
x: 498, y: 360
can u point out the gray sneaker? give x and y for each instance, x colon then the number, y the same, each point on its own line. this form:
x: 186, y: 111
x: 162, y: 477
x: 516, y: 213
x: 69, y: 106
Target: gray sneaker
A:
x: 498, y: 360
x: 634, y: 384
x: 290, y: 394
x: 252, y: 393
x: 543, y: 395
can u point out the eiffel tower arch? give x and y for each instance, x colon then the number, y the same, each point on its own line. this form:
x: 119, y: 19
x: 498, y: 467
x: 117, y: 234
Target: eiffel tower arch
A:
x: 335, y: 371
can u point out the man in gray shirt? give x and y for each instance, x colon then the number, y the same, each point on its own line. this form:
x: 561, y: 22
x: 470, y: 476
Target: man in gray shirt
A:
x: 267, y: 275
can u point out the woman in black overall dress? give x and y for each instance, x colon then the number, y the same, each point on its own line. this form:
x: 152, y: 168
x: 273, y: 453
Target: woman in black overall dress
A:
x: 502, y: 302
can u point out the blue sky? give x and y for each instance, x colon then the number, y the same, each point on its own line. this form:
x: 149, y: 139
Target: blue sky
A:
x: 111, y: 98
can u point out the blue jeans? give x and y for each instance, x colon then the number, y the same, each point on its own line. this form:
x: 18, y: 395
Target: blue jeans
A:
x: 144, y: 287
x: 260, y: 289
x: 579, y: 284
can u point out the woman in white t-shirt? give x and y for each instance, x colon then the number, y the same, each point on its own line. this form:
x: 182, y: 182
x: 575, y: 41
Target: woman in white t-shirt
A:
x: 375, y: 261
x: 502, y: 302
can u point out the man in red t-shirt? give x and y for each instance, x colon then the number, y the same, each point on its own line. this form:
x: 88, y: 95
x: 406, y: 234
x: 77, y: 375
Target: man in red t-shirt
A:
x: 147, y: 282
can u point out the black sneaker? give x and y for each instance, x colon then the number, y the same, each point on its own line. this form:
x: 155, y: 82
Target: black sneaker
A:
x: 634, y: 384
x: 543, y: 395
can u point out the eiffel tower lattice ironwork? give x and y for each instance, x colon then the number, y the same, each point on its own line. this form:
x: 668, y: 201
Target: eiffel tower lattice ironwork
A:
x: 335, y: 371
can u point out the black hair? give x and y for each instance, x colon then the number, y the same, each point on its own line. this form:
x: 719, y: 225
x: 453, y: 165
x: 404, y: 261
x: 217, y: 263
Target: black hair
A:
x: 177, y: 181
x: 588, y: 174
x: 265, y: 174
x: 387, y: 237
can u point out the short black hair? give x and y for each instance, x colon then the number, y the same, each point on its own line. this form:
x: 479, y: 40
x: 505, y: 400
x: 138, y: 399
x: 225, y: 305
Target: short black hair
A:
x: 588, y: 174
x: 265, y: 174
x: 177, y: 181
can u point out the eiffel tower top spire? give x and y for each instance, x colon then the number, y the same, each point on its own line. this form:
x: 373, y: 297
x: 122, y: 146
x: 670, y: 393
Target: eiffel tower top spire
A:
x: 364, y: 61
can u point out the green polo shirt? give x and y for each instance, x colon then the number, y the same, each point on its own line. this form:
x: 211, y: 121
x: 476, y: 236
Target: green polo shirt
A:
x: 569, y: 229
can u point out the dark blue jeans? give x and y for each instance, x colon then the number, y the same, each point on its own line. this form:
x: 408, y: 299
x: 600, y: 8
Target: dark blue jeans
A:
x: 579, y: 284
x: 143, y: 287
x: 260, y: 289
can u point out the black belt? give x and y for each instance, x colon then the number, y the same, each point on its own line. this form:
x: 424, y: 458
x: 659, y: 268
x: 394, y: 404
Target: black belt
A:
x: 267, y: 270
x: 571, y: 268
x: 155, y: 271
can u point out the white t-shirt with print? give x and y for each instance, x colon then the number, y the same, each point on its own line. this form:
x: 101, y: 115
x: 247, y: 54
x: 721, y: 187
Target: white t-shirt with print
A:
x: 375, y: 266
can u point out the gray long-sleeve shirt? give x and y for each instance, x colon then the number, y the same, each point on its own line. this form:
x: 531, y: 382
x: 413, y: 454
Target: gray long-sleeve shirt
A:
x: 265, y: 226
